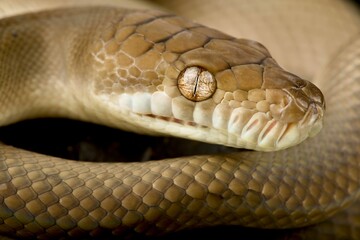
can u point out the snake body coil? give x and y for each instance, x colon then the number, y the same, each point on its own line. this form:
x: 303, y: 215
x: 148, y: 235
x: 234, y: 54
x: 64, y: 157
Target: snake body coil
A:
x: 156, y: 73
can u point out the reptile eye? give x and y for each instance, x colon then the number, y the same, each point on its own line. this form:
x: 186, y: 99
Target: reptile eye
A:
x: 196, y: 83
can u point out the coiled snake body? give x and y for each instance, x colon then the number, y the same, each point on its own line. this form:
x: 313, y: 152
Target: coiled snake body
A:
x: 156, y: 73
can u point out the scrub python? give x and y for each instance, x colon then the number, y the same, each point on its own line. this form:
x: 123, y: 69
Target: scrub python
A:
x: 153, y: 72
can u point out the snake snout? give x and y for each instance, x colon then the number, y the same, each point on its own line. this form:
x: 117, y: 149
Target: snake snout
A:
x: 305, y: 107
x: 316, y: 108
x: 315, y: 95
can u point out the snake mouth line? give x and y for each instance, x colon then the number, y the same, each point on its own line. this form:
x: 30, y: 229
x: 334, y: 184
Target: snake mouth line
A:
x: 175, y: 120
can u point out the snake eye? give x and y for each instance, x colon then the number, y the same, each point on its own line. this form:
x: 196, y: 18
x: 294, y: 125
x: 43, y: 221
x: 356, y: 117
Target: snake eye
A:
x: 196, y: 83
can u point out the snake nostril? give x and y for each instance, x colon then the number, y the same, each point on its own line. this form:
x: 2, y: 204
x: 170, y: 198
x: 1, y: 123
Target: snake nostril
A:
x: 196, y: 83
x: 314, y: 93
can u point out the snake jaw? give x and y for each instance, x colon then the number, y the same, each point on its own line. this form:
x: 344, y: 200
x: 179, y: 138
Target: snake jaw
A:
x: 230, y: 90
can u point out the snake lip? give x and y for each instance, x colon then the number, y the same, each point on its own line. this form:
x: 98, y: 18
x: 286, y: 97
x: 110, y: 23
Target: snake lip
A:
x: 175, y: 120
x: 313, y: 119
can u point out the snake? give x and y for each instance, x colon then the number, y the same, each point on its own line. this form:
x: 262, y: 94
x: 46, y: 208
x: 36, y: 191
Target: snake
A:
x: 157, y: 73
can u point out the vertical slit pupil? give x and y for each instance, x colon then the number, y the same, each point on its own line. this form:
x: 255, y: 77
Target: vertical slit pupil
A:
x: 196, y: 83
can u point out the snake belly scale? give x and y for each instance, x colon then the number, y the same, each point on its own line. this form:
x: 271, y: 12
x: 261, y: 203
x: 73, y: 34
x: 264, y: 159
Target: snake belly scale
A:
x: 120, y: 68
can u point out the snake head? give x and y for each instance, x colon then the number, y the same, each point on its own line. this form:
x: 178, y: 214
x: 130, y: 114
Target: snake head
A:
x: 250, y: 103
x: 191, y: 81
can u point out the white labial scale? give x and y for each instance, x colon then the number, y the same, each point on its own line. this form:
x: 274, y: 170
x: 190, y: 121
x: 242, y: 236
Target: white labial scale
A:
x: 238, y: 119
x: 221, y: 116
x: 270, y: 133
x: 251, y: 130
x: 290, y: 138
x: 182, y: 108
x: 203, y: 112
x: 161, y: 104
x: 315, y: 129
x: 141, y: 103
x: 125, y: 101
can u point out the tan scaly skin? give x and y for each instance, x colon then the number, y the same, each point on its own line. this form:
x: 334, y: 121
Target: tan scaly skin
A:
x: 87, y: 58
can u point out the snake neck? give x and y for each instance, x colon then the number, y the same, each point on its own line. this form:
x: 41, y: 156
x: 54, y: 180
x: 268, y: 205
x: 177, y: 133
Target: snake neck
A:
x: 41, y: 59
